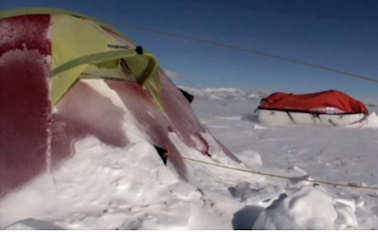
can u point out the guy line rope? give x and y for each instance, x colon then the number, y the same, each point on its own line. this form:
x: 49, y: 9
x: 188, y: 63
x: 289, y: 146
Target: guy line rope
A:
x: 272, y: 175
x: 247, y: 50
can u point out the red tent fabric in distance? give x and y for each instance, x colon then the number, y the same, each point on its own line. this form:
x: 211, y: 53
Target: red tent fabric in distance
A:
x: 326, y: 102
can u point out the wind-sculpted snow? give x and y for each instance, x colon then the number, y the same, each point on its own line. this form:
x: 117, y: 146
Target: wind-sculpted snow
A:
x: 307, y: 208
x: 125, y: 185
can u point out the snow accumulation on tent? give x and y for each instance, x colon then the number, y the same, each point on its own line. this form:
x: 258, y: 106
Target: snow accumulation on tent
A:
x: 65, y: 76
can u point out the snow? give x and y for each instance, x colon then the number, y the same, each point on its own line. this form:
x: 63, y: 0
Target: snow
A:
x: 106, y: 187
x: 370, y: 122
x: 226, y: 93
x: 298, y: 211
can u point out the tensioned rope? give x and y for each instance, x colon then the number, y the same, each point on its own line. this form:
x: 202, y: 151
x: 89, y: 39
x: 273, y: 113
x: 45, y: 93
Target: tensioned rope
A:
x: 282, y: 176
x: 248, y: 50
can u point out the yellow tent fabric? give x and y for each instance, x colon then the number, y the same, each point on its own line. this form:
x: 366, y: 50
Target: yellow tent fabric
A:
x: 73, y: 38
x: 80, y: 45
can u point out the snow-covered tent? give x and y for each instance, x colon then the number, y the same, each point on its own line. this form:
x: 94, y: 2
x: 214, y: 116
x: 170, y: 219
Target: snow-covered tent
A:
x: 329, y: 107
x: 60, y: 72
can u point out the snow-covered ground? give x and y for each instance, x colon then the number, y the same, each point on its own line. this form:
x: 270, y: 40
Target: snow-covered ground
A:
x: 111, y: 188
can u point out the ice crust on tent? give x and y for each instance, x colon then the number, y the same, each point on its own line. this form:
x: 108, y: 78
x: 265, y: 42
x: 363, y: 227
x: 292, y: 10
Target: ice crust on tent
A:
x: 25, y: 33
x: 25, y: 117
x: 24, y: 99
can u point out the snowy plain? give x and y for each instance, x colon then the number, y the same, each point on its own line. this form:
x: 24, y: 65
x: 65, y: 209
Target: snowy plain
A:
x: 111, y: 188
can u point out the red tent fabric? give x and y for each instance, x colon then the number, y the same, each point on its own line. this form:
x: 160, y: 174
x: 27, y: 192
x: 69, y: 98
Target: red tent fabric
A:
x: 330, y: 101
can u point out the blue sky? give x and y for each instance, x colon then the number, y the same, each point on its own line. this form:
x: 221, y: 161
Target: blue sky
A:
x: 342, y: 34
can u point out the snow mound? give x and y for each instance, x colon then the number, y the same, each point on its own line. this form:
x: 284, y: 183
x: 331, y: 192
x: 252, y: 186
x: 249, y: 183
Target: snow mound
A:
x: 250, y: 158
x: 371, y: 121
x: 33, y: 224
x: 308, y: 208
x: 96, y: 189
x: 226, y: 93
